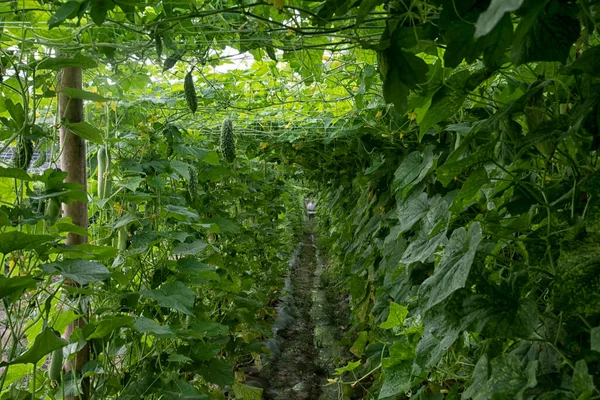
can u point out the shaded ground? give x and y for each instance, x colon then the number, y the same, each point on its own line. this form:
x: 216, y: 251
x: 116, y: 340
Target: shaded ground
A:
x: 308, y: 330
x: 293, y: 374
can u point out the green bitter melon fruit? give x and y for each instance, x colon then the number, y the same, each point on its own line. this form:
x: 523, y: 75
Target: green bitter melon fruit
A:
x: 227, y: 140
x: 190, y: 92
x: 23, y: 153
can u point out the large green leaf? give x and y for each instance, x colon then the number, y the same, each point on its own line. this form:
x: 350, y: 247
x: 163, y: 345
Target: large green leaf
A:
x: 206, y: 329
x: 182, y: 390
x: 422, y: 248
x: 507, y: 379
x: 439, y: 333
x: 84, y: 95
x: 396, y: 316
x: 471, y: 190
x: 413, y: 169
x: 181, y: 213
x: 15, y: 286
x: 195, y: 269
x: 583, y: 382
x: 446, y: 102
x: 404, y: 71
x: 217, y: 371
x: 496, y: 43
x: 453, y: 270
x: 175, y: 295
x: 412, y: 210
x: 78, y: 270
x: 58, y: 63
x: 106, y: 326
x: 146, y: 325
x: 587, y: 63
x: 16, y: 173
x: 45, y: 343
x: 66, y: 11
x: 190, y: 249
x: 546, y: 32
x: 15, y: 240
x: 66, y: 225
x: 504, y: 315
x: 452, y: 169
x: 99, y: 10
x: 396, y: 380
x: 478, y: 380
x: 246, y: 392
x: 86, y: 131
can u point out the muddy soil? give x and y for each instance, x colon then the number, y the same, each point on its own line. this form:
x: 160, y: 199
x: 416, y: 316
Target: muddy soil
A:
x: 307, y: 332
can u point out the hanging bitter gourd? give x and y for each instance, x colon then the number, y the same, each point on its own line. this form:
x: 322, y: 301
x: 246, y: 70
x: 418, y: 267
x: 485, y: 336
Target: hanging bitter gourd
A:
x: 193, y: 183
x: 227, y: 140
x: 23, y: 153
x: 41, y: 160
x: 190, y: 92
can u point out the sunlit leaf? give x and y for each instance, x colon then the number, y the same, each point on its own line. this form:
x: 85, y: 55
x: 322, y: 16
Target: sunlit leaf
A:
x: 45, y: 343
x: 396, y: 316
x: 15, y: 240
x: 78, y: 270
x: 86, y: 131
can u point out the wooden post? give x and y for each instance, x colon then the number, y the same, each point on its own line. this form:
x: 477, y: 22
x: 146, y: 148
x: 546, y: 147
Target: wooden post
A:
x: 73, y: 162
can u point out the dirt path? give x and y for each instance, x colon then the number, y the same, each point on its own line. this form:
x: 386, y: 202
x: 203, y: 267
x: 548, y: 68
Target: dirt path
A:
x: 306, y: 338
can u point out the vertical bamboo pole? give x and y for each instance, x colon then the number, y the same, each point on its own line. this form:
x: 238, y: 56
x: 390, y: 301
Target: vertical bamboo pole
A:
x: 73, y: 161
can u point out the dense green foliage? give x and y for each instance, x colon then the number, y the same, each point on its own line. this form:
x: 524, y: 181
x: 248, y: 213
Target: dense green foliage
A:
x: 453, y: 146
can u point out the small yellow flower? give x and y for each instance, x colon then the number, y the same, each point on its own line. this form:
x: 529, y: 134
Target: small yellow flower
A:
x: 336, y: 64
x: 412, y: 116
x: 326, y: 57
x: 378, y: 115
x: 113, y: 106
x: 264, y: 145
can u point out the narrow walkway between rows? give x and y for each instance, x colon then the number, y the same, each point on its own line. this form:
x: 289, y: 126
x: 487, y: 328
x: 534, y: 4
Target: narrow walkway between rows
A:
x: 305, y: 346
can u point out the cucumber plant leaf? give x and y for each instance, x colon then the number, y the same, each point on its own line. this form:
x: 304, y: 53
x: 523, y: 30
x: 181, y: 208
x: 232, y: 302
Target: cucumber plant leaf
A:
x: 78, y: 270
x: 16, y: 285
x: 453, y: 270
x: 15, y: 240
x: 546, y: 32
x: 396, y: 316
x: 45, y: 343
